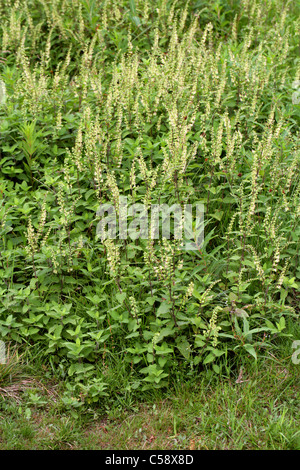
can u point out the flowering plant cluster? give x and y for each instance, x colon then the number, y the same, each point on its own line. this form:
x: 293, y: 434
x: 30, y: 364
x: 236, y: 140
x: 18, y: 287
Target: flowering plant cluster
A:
x: 166, y: 105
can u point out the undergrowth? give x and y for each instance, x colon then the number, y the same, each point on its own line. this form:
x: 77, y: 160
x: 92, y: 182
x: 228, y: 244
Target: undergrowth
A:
x: 158, y: 102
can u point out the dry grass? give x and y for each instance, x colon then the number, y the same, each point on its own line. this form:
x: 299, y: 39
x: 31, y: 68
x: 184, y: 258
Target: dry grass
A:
x: 16, y: 378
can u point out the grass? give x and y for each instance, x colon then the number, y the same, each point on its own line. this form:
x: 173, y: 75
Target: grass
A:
x: 256, y: 408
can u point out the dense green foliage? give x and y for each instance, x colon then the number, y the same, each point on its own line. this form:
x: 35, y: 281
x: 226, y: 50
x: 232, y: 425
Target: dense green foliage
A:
x: 161, y: 102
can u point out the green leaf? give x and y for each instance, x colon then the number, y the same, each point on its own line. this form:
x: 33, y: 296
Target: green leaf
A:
x: 135, y: 334
x: 250, y: 349
x: 281, y: 324
x: 197, y: 295
x: 209, y: 358
x: 89, y: 266
x: 163, y: 349
x: 199, y: 341
x: 217, y: 215
x: 121, y: 297
x: 164, y: 332
x: 239, y: 312
x: 163, y: 308
x: 151, y: 300
x: 185, y: 348
x: 233, y: 297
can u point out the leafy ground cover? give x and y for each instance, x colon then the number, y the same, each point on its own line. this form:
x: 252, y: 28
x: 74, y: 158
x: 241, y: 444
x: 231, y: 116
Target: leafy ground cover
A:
x: 160, y: 103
